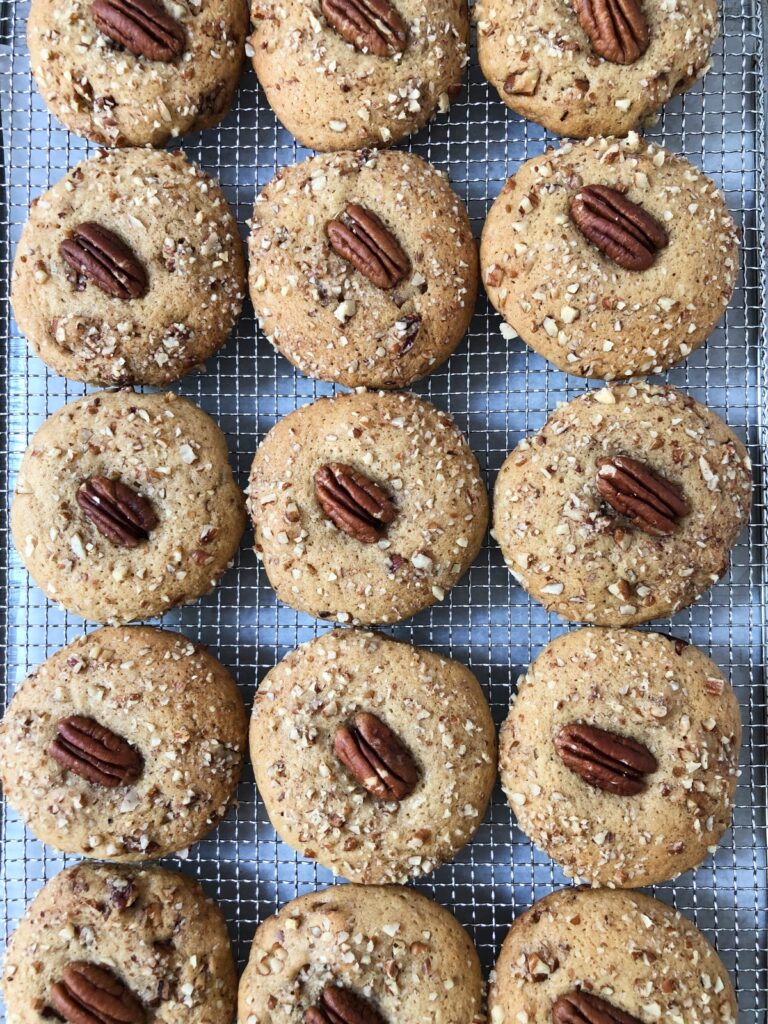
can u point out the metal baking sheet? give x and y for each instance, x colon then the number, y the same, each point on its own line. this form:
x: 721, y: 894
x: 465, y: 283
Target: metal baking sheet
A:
x: 498, y: 391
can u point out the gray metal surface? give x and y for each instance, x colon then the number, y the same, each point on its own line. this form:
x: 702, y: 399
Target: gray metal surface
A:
x: 497, y: 391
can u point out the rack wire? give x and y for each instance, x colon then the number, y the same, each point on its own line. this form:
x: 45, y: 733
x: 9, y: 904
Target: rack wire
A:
x: 498, y: 392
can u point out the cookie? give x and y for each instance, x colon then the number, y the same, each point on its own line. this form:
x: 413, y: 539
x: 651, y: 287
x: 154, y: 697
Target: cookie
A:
x: 149, y: 934
x: 137, y: 72
x: 624, y: 506
x: 125, y: 745
x: 562, y: 265
x: 342, y: 74
x: 600, y: 955
x: 363, y: 269
x: 125, y: 505
x: 380, y: 952
x: 563, y: 65
x: 373, y: 757
x: 620, y: 755
x: 367, y: 507
x: 129, y: 271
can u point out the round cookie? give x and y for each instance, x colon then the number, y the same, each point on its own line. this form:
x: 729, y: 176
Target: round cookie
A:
x: 544, y: 66
x: 173, y: 705
x: 401, y: 954
x: 154, y: 931
x: 628, y: 950
x: 324, y: 312
x: 581, y: 556
x: 573, y: 303
x: 332, y: 94
x: 427, y: 501
x: 312, y: 719
x: 595, y: 803
x: 153, y: 469
x: 116, y: 87
x: 183, y: 250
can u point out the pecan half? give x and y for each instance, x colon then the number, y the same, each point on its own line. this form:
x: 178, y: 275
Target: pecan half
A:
x: 604, y: 760
x: 617, y: 29
x: 101, y: 256
x: 618, y: 227
x: 92, y: 994
x: 579, y: 1007
x: 353, y: 503
x: 361, y: 239
x: 632, y: 489
x: 373, y: 26
x: 143, y: 27
x: 117, y: 511
x: 375, y: 756
x: 95, y: 753
x: 340, y: 1006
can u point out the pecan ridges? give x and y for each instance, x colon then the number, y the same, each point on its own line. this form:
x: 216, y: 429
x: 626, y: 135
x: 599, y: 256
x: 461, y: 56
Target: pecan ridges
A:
x: 341, y: 1006
x: 649, y: 500
x: 105, y: 259
x: 95, y: 753
x: 143, y: 27
x: 578, y: 1007
x: 605, y: 760
x: 354, y: 504
x: 92, y: 994
x: 372, y: 752
x: 118, y: 512
x: 618, y: 227
x: 617, y: 29
x: 361, y: 239
x: 372, y: 26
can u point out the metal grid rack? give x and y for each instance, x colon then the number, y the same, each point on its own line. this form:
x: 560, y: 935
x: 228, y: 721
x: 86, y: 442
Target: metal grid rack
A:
x: 498, y: 392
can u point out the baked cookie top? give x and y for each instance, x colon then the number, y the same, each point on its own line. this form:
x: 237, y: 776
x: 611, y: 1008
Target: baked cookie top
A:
x: 585, y: 947
x: 636, y: 308
x: 367, y: 507
x: 624, y: 506
x: 153, y: 932
x: 132, y: 73
x: 388, y: 951
x: 620, y: 755
x: 130, y: 270
x: 125, y: 505
x: 342, y: 74
x: 572, y: 74
x: 125, y: 745
x: 323, y: 283
x: 374, y: 757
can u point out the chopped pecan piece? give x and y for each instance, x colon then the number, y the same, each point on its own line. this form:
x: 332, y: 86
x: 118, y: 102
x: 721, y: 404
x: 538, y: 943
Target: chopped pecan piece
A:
x: 605, y: 760
x: 98, y: 254
x: 375, y: 756
x: 648, y: 499
x: 92, y: 994
x: 95, y: 753
x: 118, y: 512
x: 361, y: 239
x: 372, y: 26
x: 353, y: 503
x: 143, y: 27
x: 578, y: 1007
x: 617, y: 29
x: 618, y: 227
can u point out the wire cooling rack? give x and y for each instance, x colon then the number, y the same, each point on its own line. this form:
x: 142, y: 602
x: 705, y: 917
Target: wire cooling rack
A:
x: 498, y: 392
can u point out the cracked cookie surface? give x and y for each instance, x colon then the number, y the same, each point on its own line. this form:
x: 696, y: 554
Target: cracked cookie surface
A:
x: 170, y: 700
x: 177, y: 225
x: 169, y: 453
x: 646, y: 687
x: 327, y: 317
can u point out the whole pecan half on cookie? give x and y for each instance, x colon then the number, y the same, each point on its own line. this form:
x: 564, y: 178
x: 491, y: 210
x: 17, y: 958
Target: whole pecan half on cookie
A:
x: 118, y: 512
x: 578, y: 1007
x: 93, y: 994
x: 371, y: 26
x: 360, y: 238
x: 618, y: 227
x: 95, y: 753
x: 605, y: 760
x: 105, y: 259
x: 372, y: 752
x: 143, y: 27
x: 633, y: 489
x: 617, y: 29
x: 354, y: 504
x: 341, y: 1006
